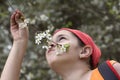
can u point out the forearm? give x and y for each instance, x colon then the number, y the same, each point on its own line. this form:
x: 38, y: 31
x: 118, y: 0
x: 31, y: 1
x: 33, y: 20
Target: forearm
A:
x: 12, y: 67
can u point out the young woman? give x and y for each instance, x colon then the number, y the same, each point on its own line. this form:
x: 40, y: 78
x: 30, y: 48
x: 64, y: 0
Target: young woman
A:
x: 78, y: 63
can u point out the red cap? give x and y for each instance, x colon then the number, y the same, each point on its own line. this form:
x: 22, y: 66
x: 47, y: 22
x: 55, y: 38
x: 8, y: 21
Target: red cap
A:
x: 87, y: 40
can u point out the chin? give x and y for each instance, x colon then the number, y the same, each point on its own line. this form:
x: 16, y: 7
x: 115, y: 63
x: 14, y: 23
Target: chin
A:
x: 55, y: 61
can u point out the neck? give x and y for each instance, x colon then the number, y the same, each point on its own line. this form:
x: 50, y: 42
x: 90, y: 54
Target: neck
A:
x: 74, y: 72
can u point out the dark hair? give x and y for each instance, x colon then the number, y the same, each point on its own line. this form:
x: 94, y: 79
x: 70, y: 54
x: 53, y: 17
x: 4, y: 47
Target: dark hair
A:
x: 81, y: 43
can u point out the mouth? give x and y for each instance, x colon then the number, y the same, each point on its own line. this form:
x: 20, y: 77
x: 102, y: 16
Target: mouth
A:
x: 50, y: 50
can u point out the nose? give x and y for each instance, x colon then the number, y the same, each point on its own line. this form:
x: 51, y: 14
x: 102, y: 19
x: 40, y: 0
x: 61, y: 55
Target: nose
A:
x: 52, y: 44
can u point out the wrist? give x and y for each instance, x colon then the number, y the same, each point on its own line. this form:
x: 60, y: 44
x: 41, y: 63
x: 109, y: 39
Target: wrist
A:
x: 20, y: 42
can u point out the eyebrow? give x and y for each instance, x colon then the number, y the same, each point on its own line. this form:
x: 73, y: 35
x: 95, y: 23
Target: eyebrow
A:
x: 60, y: 36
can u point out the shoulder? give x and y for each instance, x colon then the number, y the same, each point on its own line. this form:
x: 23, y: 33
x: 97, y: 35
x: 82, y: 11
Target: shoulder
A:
x: 109, y: 68
x: 116, y: 66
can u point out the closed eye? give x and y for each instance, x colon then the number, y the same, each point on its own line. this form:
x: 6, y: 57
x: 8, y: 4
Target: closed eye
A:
x: 62, y: 38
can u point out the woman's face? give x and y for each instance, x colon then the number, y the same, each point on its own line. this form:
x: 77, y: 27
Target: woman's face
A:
x: 63, y: 37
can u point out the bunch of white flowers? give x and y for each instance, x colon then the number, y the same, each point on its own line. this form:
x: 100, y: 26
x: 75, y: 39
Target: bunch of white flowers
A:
x: 45, y: 37
x: 22, y: 23
x: 39, y: 37
x: 62, y: 48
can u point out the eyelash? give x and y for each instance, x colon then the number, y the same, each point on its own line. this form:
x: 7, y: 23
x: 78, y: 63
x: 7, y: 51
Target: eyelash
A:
x: 61, y: 38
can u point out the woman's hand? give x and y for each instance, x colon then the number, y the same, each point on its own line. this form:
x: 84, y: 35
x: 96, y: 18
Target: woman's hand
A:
x: 19, y: 35
x: 12, y: 66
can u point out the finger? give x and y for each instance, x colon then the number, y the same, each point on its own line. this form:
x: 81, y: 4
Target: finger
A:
x: 12, y: 20
x: 17, y: 17
x: 19, y: 12
x: 21, y: 15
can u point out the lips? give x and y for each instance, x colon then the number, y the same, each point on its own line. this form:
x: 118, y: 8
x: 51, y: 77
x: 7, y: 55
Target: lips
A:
x: 50, y: 50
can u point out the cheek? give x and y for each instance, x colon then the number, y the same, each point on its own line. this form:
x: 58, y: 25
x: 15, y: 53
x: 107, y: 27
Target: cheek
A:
x: 74, y: 48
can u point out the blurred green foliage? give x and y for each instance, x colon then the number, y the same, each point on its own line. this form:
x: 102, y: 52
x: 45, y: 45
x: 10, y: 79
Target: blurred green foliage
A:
x: 99, y: 18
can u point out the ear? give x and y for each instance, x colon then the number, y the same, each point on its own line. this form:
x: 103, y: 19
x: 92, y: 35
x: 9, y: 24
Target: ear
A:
x: 85, y: 52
